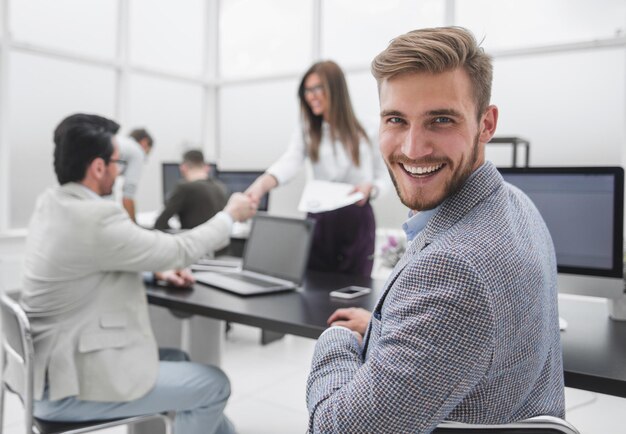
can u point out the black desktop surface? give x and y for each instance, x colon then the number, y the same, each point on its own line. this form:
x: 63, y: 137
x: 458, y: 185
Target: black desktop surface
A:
x: 302, y: 312
x: 593, y: 345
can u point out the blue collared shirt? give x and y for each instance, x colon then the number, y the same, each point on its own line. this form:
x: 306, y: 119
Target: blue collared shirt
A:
x: 417, y: 222
x: 419, y: 219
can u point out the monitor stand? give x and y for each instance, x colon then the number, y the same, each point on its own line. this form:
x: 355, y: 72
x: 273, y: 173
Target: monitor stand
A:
x: 617, y: 308
x: 611, y: 288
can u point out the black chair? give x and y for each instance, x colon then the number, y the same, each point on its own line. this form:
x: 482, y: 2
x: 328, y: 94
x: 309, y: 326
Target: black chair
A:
x: 17, y: 346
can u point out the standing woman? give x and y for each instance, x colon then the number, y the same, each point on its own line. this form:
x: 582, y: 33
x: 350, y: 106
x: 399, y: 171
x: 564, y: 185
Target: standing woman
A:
x: 340, y: 151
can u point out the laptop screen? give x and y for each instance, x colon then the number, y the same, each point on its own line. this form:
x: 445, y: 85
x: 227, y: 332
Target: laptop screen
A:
x: 279, y: 247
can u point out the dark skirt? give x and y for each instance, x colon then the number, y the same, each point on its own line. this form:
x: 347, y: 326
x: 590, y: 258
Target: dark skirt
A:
x: 343, y: 240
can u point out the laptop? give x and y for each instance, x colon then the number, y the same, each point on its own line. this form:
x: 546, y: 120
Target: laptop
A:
x: 274, y: 260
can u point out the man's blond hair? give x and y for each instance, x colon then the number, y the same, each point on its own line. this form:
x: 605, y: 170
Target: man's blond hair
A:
x: 435, y: 51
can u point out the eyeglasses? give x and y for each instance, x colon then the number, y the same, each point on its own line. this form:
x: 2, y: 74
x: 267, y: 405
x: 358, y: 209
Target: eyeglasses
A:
x: 315, y: 90
x: 121, y: 164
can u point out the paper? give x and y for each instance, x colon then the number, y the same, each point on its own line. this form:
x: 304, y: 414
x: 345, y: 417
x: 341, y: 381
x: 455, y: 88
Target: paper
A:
x: 321, y: 196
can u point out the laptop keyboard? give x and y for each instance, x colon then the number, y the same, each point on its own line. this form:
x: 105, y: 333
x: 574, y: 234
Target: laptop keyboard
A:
x: 252, y: 280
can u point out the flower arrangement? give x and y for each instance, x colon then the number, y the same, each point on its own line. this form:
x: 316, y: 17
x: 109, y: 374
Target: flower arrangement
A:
x: 392, y: 250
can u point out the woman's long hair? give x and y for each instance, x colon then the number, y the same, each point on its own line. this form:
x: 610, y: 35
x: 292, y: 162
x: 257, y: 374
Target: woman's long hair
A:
x: 343, y: 124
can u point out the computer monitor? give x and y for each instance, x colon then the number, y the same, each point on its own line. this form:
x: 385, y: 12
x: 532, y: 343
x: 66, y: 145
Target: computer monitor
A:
x: 170, y: 175
x: 240, y: 180
x: 583, y: 208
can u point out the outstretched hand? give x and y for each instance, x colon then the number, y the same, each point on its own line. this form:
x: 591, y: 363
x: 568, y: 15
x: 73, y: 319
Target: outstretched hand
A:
x: 241, y: 207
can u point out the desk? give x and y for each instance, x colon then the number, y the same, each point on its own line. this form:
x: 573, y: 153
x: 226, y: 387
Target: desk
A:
x: 594, y: 347
x: 303, y: 312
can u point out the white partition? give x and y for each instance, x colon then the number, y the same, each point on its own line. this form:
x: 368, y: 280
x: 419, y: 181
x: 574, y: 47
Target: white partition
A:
x: 171, y: 111
x: 42, y: 92
x: 507, y: 24
x: 256, y: 121
x: 571, y: 106
x: 167, y: 35
x: 354, y: 31
x: 364, y: 96
x: 262, y: 38
x: 78, y: 26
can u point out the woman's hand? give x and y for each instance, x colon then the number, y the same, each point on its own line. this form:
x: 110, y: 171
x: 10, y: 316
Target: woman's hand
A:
x: 262, y: 185
x: 365, y: 188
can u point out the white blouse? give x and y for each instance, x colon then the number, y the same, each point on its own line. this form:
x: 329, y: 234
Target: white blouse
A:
x: 334, y: 163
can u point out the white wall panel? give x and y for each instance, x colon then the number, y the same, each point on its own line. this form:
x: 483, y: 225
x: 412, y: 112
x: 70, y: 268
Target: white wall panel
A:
x: 354, y: 31
x: 41, y: 93
x: 84, y: 27
x: 167, y: 35
x: 516, y: 24
x: 171, y: 111
x: 570, y: 106
x: 261, y: 38
x: 256, y: 123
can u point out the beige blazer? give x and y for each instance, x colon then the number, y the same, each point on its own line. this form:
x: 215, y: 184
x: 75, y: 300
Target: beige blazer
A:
x: 84, y: 295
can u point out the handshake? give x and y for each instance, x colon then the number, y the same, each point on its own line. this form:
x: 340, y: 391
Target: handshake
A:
x: 241, y: 207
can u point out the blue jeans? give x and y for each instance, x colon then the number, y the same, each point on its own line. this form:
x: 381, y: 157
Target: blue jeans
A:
x: 196, y: 392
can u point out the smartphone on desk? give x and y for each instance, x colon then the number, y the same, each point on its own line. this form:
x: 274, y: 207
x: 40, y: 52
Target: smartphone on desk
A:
x: 350, y: 292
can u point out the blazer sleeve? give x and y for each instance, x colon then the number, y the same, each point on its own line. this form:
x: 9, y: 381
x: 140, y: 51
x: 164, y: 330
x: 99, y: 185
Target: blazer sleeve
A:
x: 121, y: 245
x: 434, y: 344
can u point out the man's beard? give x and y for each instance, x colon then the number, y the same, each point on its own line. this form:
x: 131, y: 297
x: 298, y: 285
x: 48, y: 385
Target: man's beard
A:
x: 452, y: 186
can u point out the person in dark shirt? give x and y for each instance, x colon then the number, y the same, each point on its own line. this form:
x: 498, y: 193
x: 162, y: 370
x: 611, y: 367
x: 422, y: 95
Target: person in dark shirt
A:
x: 197, y: 198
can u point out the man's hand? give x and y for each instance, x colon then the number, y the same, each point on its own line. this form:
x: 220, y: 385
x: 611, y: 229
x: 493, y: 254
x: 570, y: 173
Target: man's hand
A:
x: 365, y: 188
x: 241, y: 207
x: 354, y: 318
x: 182, y: 278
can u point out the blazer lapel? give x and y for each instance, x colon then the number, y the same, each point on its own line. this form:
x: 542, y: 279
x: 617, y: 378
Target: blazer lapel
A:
x: 454, y: 208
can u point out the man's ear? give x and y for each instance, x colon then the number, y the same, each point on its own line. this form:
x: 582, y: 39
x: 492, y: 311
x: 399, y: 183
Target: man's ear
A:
x: 488, y: 124
x: 96, y: 169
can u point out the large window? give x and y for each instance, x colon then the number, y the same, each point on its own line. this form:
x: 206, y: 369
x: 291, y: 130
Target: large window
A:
x: 42, y: 92
x: 511, y: 24
x: 354, y: 31
x: 222, y: 75
x: 261, y: 38
x: 77, y: 26
x: 168, y: 35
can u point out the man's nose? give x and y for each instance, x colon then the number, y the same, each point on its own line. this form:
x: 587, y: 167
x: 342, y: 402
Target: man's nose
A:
x: 416, y: 144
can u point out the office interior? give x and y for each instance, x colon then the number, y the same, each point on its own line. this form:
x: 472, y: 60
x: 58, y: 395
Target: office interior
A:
x: 222, y: 75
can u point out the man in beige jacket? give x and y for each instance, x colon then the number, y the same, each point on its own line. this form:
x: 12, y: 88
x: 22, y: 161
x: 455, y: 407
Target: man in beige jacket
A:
x: 95, y: 353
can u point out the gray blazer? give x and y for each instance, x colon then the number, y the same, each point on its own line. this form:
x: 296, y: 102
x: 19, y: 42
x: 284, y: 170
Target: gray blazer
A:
x: 84, y: 295
x: 466, y: 328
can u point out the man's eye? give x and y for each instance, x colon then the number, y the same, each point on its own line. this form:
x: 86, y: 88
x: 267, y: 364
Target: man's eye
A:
x: 442, y: 120
x: 395, y: 120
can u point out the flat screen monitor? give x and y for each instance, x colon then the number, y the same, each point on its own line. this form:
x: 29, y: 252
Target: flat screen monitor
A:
x: 583, y: 208
x: 240, y: 180
x: 170, y: 175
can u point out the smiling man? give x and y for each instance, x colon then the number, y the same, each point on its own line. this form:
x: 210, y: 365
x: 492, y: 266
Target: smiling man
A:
x: 466, y: 327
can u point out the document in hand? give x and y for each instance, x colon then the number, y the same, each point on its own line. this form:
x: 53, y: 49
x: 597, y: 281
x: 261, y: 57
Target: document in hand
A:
x: 320, y: 196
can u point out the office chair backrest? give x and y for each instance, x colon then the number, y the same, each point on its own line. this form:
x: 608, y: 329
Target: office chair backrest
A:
x: 533, y: 425
x: 17, y: 358
x: 17, y: 354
